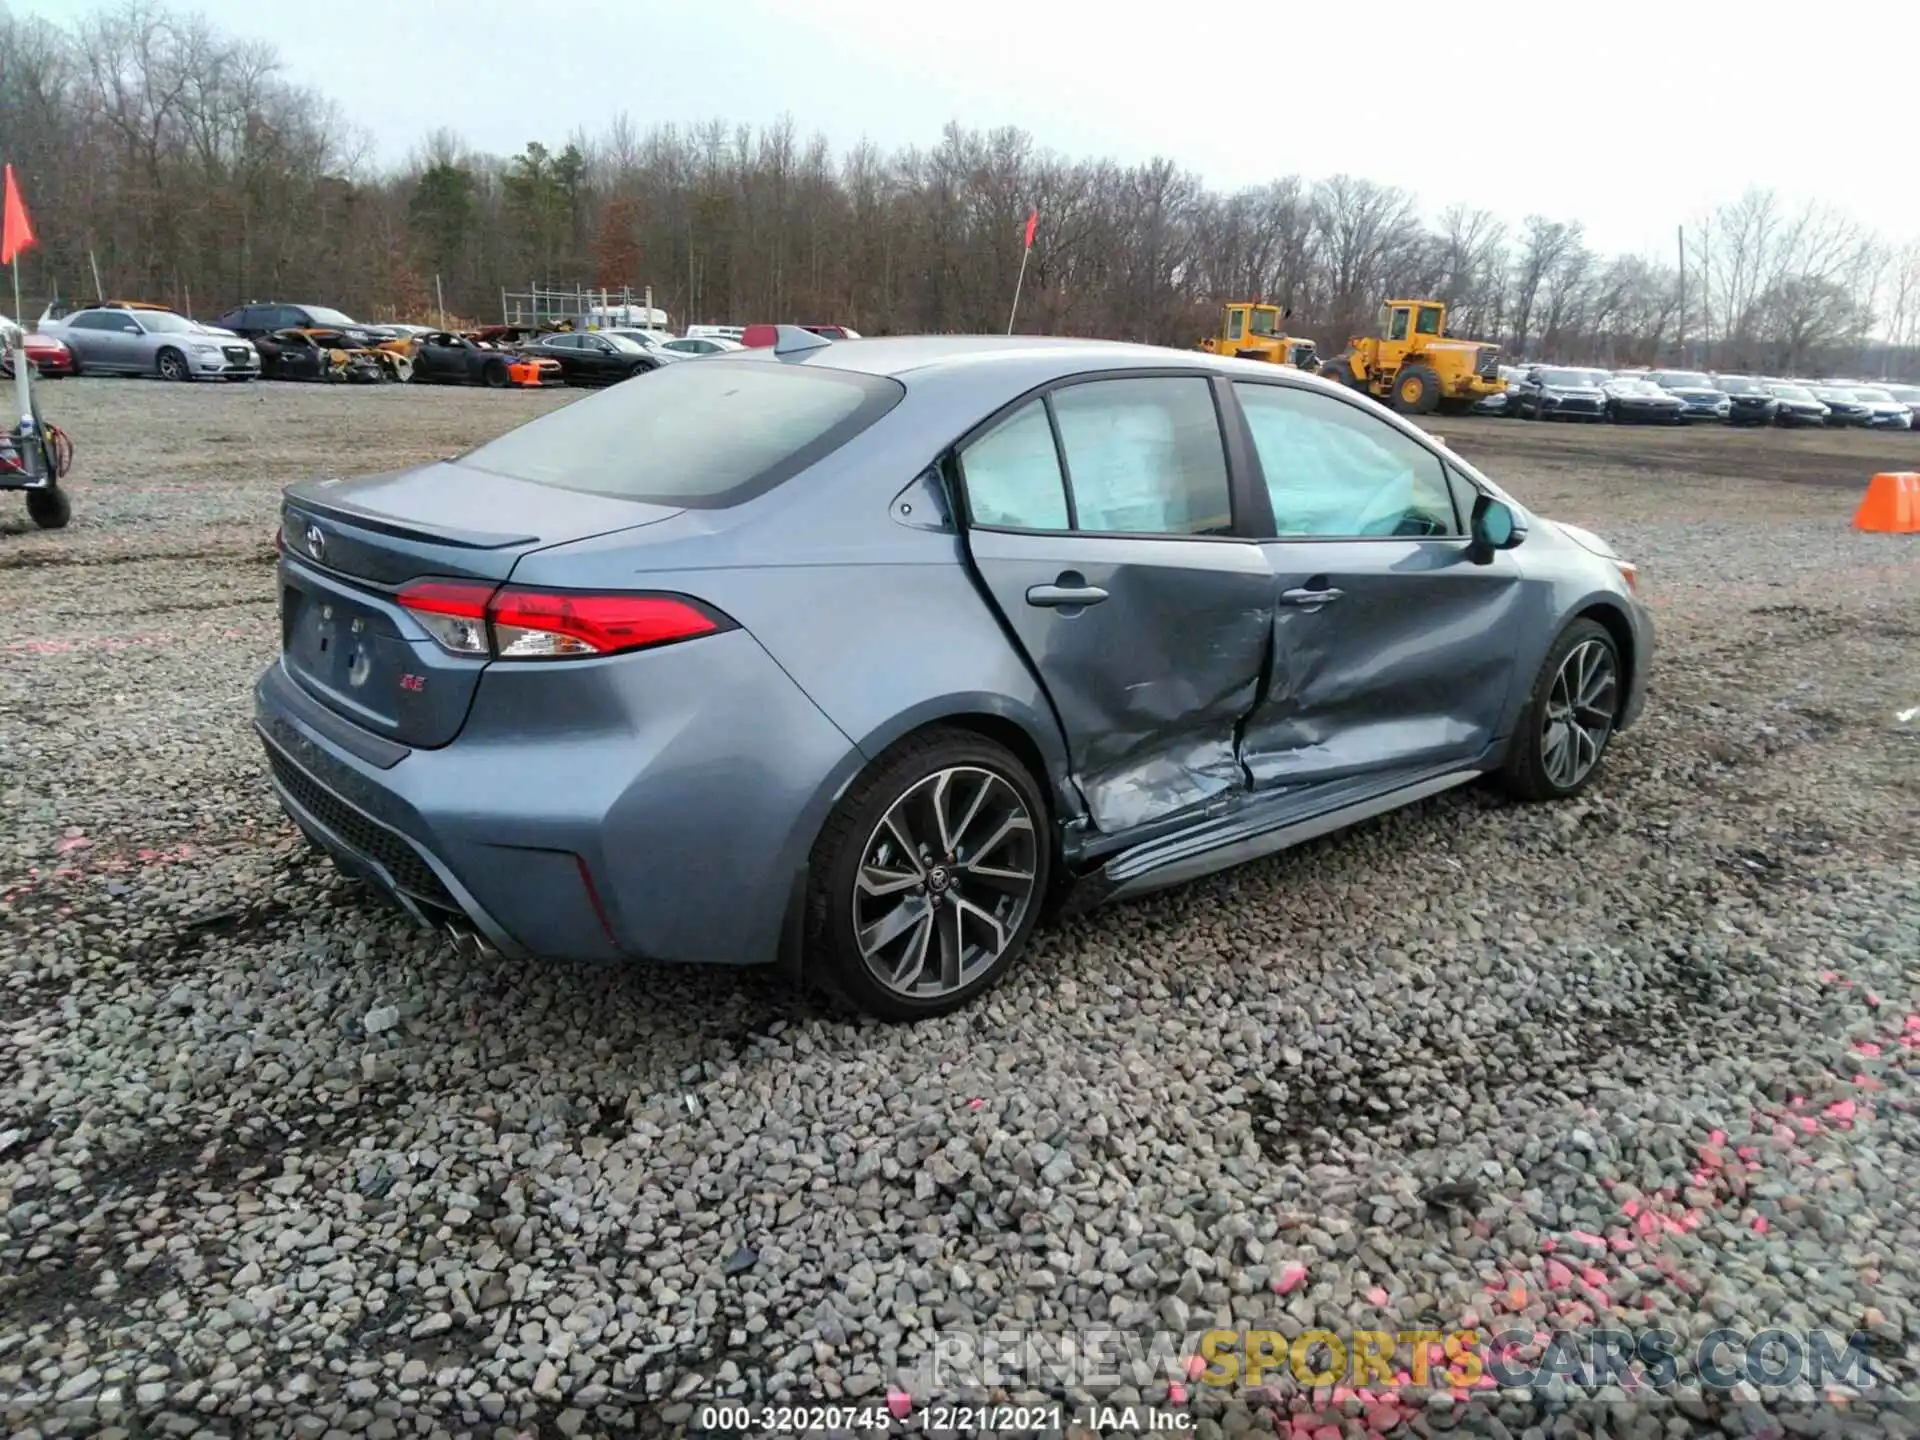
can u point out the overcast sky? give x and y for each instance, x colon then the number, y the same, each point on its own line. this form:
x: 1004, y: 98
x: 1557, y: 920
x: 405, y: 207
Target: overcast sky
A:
x: 1631, y: 118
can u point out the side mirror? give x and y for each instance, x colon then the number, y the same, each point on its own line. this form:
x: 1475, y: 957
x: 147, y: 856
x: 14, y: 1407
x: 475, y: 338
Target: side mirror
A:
x: 1494, y: 526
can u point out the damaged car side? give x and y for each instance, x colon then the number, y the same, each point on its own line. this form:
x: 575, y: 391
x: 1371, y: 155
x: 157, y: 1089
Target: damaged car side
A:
x: 330, y: 355
x: 486, y: 357
x: 862, y: 654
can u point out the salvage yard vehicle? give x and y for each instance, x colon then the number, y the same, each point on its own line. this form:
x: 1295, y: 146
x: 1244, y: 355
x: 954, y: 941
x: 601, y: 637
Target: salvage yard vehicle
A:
x: 49, y: 356
x: 1634, y: 401
x: 142, y: 340
x: 1749, y: 402
x: 1883, y: 411
x: 256, y: 320
x: 1843, y: 406
x: 1123, y: 616
x: 444, y: 358
x: 1796, y: 405
x: 331, y: 355
x: 597, y: 357
x: 1551, y: 392
x: 1253, y: 331
x: 1907, y: 395
x: 1414, y: 365
x: 1700, y: 398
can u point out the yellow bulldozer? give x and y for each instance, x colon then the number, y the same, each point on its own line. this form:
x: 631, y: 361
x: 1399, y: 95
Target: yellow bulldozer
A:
x: 1252, y: 331
x: 1414, y: 365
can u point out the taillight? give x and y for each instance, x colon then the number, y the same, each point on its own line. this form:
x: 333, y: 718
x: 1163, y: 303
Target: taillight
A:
x: 454, y: 612
x: 472, y: 618
x: 531, y: 624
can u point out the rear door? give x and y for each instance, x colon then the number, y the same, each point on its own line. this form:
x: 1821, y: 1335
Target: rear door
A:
x: 1393, y: 653
x: 1103, y: 526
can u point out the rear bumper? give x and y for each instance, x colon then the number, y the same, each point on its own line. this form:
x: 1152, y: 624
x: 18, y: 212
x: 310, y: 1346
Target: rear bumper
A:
x: 654, y: 806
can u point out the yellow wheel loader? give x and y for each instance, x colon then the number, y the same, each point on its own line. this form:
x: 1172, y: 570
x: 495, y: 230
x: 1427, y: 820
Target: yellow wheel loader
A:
x: 1414, y: 365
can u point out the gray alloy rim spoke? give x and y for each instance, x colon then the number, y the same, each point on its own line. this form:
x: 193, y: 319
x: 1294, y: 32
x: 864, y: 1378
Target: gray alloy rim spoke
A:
x: 932, y: 908
x: 1580, y: 711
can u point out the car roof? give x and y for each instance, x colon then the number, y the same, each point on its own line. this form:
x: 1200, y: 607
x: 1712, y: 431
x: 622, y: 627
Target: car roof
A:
x: 896, y: 356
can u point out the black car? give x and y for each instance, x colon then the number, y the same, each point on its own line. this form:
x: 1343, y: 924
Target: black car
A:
x: 595, y: 357
x: 443, y: 358
x: 1795, y: 405
x: 1633, y: 401
x: 1843, y: 408
x: 1750, y: 402
x: 256, y: 320
x: 1549, y: 392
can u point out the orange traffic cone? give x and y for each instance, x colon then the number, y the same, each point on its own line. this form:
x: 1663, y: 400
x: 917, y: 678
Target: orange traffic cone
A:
x: 1892, y: 506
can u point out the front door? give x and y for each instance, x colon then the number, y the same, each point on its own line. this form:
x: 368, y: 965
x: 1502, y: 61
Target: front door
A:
x: 1393, y: 652
x: 1102, y: 526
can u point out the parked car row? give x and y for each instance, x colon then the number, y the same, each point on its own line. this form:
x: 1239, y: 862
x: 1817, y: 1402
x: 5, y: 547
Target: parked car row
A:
x: 278, y: 341
x: 1679, y: 397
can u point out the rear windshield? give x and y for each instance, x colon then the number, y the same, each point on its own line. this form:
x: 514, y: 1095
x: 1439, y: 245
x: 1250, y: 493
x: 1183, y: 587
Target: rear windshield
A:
x: 705, y: 436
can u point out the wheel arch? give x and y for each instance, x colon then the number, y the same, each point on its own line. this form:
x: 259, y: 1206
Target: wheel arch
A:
x: 991, y: 717
x: 1613, y: 619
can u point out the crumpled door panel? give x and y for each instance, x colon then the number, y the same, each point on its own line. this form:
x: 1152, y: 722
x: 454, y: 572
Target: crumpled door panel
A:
x: 1152, y: 682
x: 1408, y: 669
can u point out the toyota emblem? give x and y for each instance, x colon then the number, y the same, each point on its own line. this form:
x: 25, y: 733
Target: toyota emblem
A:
x: 316, y: 543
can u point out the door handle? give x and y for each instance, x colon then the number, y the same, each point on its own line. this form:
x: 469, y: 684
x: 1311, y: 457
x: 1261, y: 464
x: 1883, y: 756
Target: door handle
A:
x: 1056, y: 596
x: 1309, y: 597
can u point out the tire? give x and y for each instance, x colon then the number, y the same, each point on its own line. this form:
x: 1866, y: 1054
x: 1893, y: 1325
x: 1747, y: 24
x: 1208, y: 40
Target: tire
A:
x: 1416, y: 391
x: 495, y: 376
x: 50, y: 509
x: 986, y: 792
x: 170, y: 364
x: 1540, y: 766
x: 1340, y: 371
x: 640, y: 367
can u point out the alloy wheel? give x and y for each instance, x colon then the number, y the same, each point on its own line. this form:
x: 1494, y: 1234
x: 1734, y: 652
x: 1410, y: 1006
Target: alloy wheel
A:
x: 945, y: 883
x: 1580, y: 712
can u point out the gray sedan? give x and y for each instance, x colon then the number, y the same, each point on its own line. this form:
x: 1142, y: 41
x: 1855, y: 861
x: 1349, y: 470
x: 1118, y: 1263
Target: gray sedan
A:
x: 111, y: 340
x: 860, y: 655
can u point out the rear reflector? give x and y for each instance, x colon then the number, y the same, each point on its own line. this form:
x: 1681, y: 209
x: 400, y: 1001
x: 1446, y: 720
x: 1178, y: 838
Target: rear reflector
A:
x: 471, y: 618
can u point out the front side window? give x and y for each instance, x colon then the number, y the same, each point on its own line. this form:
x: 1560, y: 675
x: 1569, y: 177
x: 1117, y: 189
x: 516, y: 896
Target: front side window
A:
x: 1236, y: 320
x: 1399, y: 327
x: 1145, y: 456
x: 1012, y: 474
x: 1335, y: 472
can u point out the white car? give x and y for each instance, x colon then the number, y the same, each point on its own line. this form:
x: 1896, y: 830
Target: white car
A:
x: 701, y: 345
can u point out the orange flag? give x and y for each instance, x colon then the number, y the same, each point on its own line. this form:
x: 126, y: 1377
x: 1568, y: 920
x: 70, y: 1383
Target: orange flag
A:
x: 17, y: 233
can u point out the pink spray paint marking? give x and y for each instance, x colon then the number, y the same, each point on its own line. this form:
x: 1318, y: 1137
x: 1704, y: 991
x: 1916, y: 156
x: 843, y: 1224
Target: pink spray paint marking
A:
x: 900, y: 1403
x: 1866, y: 1048
x: 1290, y: 1279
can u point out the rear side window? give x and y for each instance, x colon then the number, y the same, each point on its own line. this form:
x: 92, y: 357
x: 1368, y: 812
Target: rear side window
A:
x: 705, y: 436
x: 1012, y: 474
x: 1145, y: 457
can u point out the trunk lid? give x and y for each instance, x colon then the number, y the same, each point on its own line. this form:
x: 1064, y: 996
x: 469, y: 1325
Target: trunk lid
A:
x: 350, y: 547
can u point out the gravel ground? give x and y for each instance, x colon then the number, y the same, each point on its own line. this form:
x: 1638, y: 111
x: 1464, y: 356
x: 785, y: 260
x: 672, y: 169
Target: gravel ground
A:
x: 271, y: 1162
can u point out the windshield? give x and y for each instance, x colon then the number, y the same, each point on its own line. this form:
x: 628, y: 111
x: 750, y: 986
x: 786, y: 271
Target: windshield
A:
x: 1262, y: 322
x: 626, y: 343
x: 1832, y: 392
x: 1739, y: 385
x: 1562, y: 377
x: 1878, y: 397
x: 1791, y: 392
x: 1905, y: 394
x: 320, y: 315
x: 164, y: 322
x: 1635, y: 387
x: 705, y: 435
x: 1684, y: 380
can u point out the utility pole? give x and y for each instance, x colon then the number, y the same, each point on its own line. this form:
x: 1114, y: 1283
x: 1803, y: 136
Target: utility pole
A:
x: 1683, y: 296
